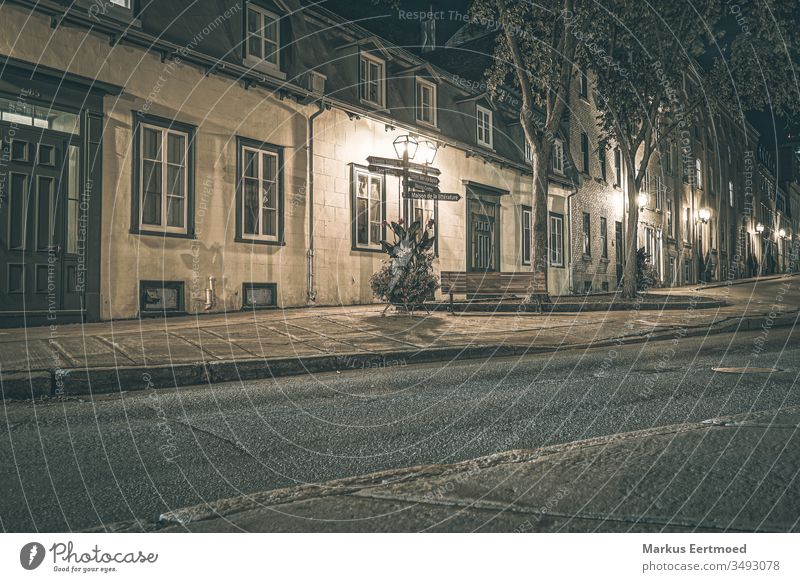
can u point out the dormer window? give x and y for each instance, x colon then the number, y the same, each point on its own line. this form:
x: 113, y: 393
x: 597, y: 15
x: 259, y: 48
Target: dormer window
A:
x: 263, y: 38
x: 558, y: 156
x: 373, y: 80
x: 426, y: 102
x: 483, y: 118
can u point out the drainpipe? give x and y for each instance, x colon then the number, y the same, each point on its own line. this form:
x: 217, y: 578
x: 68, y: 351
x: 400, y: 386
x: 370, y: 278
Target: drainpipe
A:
x: 571, y: 266
x: 312, y: 292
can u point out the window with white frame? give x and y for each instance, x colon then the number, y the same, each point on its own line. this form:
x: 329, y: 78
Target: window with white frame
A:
x: 260, y: 193
x: 368, y: 204
x: 686, y: 222
x: 372, y: 85
x: 730, y: 193
x: 483, y: 119
x: 617, y: 167
x: 670, y: 221
x: 556, y: 240
x: 526, y: 235
x: 426, y: 102
x: 558, y: 156
x: 659, y: 192
x: 263, y: 36
x: 698, y: 171
x: 123, y: 3
x: 528, y: 152
x: 163, y: 178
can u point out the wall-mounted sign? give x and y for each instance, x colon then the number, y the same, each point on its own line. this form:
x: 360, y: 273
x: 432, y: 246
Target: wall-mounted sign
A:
x: 393, y: 163
x: 443, y: 196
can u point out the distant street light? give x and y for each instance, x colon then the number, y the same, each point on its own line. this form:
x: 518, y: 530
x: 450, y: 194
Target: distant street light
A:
x: 782, y: 233
x: 759, y: 228
x: 704, y: 215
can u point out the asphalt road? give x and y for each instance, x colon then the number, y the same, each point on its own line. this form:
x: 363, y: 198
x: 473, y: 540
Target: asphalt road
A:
x: 75, y: 464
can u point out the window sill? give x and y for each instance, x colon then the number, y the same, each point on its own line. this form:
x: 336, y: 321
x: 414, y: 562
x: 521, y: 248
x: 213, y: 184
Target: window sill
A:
x: 426, y: 125
x: 163, y: 233
x: 587, y: 257
x: 561, y: 266
x: 366, y: 249
x: 605, y: 260
x: 488, y: 146
x: 264, y: 67
x: 255, y: 241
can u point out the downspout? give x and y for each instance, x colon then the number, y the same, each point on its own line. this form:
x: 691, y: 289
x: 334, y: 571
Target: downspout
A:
x: 312, y: 292
x: 571, y: 266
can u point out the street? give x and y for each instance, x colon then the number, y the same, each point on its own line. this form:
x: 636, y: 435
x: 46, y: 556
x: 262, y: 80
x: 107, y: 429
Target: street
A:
x: 76, y: 463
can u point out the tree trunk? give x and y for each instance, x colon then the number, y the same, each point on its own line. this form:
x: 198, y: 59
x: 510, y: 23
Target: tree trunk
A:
x: 539, y: 245
x: 631, y: 239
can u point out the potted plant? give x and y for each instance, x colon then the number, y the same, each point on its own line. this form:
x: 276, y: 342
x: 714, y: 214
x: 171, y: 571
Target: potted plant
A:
x: 406, y: 279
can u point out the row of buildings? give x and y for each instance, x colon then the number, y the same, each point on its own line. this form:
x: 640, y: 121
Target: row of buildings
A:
x: 158, y: 158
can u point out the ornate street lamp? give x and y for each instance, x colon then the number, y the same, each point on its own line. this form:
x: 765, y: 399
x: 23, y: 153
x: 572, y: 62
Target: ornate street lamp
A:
x: 427, y: 151
x: 405, y: 146
x: 759, y: 228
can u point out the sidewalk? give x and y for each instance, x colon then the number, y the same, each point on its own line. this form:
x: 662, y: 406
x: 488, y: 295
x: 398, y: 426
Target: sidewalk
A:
x: 734, y: 474
x: 183, y: 351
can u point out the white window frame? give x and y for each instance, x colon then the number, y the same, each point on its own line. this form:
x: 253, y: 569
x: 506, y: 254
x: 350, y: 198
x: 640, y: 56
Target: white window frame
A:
x: 527, y: 225
x: 557, y: 160
x: 262, y: 61
x: 528, y: 151
x: 484, y: 126
x: 556, y: 228
x: 730, y: 193
x: 371, y: 177
x: 260, y: 179
x: 421, y: 85
x: 165, y: 133
x: 368, y: 59
x: 698, y: 169
x: 122, y: 3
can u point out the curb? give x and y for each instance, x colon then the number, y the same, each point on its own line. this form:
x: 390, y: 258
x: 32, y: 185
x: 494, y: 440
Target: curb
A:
x: 77, y: 381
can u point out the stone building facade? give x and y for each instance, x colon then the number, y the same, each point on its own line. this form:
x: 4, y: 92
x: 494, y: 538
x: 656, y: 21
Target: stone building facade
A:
x: 158, y: 161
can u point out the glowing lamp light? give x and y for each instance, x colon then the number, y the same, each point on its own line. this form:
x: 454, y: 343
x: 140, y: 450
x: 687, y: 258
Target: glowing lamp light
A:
x: 405, y: 145
x: 704, y: 214
x: 759, y: 228
x: 642, y: 199
x: 782, y: 233
x: 427, y: 151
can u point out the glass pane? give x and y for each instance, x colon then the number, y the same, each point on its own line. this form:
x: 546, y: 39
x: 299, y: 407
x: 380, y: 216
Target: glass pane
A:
x: 151, y: 184
x: 176, y: 197
x: 361, y: 188
x: 18, y: 211
x: 72, y: 198
x: 375, y: 190
x: 269, y: 163
x: 253, y: 21
x: 271, y: 52
x: 375, y: 225
x: 270, y: 29
x: 361, y: 222
x: 176, y: 148
x: 250, y: 164
x: 254, y: 46
x: 251, y: 210
x: 270, y: 223
x: 270, y: 199
x: 151, y: 144
x: 44, y: 218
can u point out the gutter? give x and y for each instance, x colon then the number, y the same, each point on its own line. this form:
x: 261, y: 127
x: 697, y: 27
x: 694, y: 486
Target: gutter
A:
x: 312, y: 292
